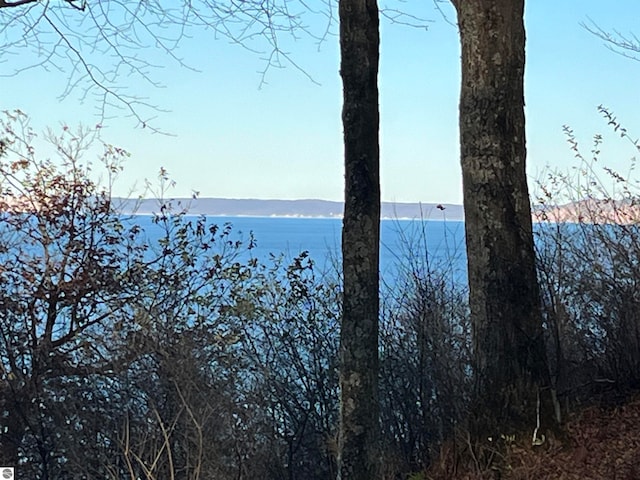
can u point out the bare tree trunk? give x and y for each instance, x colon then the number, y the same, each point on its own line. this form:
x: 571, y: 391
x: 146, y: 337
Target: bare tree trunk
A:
x: 512, y: 388
x: 359, y: 410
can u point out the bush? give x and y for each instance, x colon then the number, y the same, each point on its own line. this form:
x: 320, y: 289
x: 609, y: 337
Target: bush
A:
x: 425, y: 366
x: 589, y: 251
x: 170, y: 351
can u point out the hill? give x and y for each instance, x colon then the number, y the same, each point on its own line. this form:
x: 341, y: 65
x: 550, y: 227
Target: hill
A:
x: 603, y: 442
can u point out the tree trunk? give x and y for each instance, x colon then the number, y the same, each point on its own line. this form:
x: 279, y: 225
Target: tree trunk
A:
x: 359, y: 48
x: 512, y: 388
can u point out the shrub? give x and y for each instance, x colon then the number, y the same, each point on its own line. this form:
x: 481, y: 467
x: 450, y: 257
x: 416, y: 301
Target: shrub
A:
x: 589, y: 250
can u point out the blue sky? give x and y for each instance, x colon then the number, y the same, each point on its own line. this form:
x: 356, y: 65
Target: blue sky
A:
x: 233, y: 137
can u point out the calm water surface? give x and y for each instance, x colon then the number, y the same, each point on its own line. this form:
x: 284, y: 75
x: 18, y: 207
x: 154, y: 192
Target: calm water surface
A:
x: 437, y: 241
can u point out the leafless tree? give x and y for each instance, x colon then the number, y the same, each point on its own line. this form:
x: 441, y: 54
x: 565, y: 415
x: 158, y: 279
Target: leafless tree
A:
x: 99, y: 46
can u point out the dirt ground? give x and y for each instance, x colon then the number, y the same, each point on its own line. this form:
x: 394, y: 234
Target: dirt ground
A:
x: 602, y: 442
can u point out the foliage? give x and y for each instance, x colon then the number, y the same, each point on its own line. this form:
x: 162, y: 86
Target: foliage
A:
x: 65, y: 260
x: 151, y: 354
x: 589, y: 270
x: 167, y: 350
x: 425, y: 352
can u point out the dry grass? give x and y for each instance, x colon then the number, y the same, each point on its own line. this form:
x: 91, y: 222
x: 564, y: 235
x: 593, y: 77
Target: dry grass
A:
x: 603, y: 442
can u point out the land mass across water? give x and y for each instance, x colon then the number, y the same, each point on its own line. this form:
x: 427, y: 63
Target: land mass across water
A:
x: 602, y: 211
x: 581, y: 211
x: 308, y: 208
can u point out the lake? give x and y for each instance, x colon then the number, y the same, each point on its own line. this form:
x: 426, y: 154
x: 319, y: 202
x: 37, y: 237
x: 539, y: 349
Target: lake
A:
x: 439, y: 243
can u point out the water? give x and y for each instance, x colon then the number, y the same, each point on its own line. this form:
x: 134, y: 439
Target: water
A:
x: 436, y: 242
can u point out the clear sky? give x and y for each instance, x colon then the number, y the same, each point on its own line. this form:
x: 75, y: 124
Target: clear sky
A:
x: 233, y: 137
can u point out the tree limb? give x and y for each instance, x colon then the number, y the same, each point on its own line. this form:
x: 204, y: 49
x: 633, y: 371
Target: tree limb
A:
x: 5, y: 4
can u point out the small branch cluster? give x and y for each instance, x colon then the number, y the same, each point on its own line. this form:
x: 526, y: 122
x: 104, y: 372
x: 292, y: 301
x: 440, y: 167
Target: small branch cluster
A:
x: 627, y: 45
x: 98, y: 45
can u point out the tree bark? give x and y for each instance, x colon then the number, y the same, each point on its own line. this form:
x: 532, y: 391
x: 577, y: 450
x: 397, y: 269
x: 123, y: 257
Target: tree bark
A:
x: 359, y: 410
x: 512, y: 388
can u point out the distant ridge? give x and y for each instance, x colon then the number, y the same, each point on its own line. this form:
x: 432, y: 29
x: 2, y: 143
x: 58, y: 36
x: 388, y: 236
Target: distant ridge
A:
x: 308, y: 208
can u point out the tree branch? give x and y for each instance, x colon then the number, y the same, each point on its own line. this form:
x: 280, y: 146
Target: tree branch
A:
x: 4, y: 4
x: 625, y: 45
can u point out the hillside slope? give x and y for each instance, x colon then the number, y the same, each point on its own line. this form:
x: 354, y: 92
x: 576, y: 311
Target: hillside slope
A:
x: 603, y: 444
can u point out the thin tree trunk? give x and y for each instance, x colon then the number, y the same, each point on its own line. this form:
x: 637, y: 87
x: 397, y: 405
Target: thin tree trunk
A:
x: 512, y: 388
x: 359, y: 409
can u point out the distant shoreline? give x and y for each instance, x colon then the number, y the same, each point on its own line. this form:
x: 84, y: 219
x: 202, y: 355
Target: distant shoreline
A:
x: 307, y: 208
x: 593, y: 211
x: 294, y: 217
x: 585, y: 211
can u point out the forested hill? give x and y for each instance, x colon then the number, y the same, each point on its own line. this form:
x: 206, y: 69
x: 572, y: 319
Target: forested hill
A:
x: 287, y: 208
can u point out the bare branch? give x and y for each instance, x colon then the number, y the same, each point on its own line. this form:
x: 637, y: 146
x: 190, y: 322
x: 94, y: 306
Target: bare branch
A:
x: 627, y: 45
x: 4, y: 4
x: 98, y: 44
x: 444, y: 16
x: 399, y: 17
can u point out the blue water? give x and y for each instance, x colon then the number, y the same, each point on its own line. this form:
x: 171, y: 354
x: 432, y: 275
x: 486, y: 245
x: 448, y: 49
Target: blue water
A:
x: 437, y: 243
